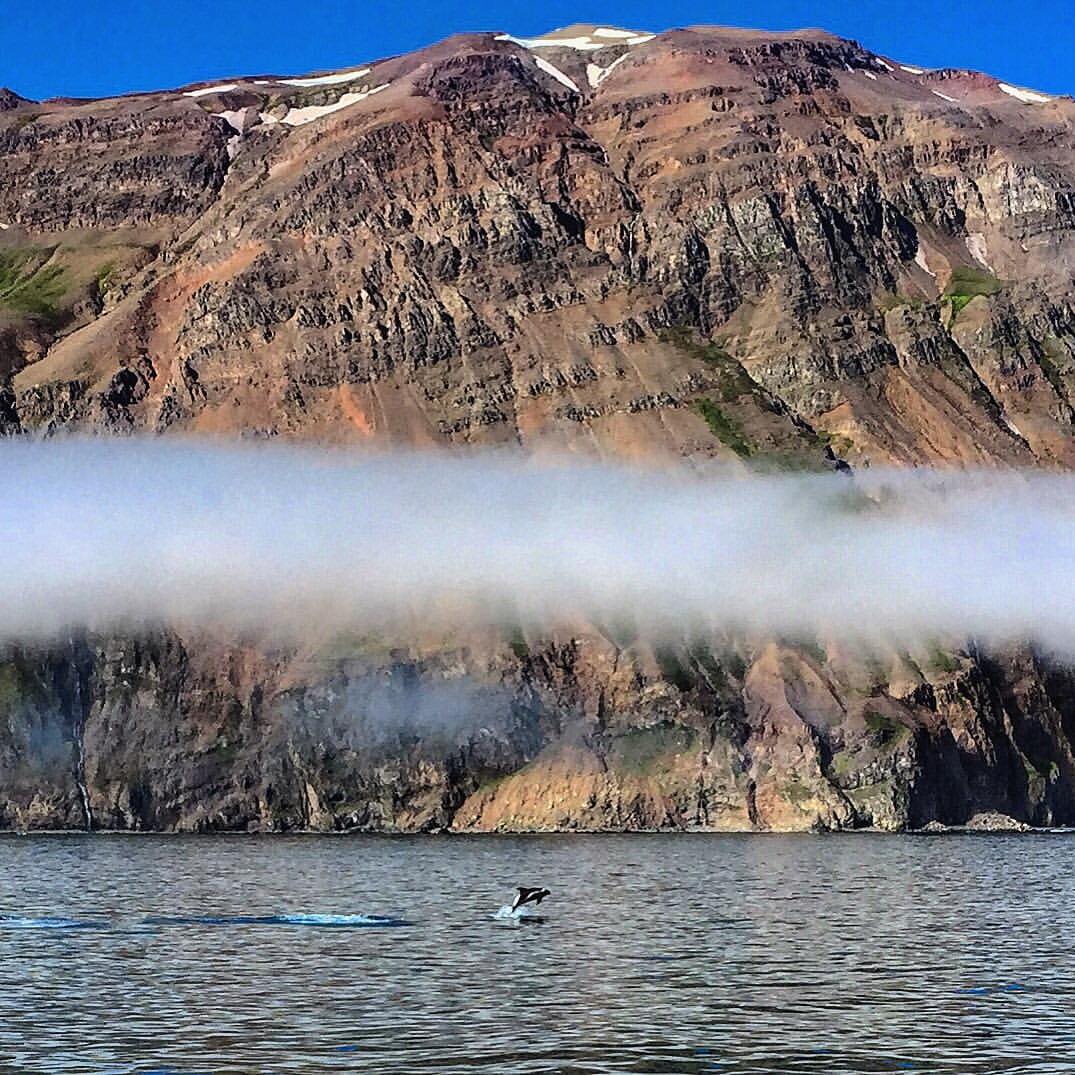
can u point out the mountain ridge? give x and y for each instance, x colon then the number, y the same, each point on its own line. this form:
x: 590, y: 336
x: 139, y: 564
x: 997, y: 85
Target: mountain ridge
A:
x: 583, y: 35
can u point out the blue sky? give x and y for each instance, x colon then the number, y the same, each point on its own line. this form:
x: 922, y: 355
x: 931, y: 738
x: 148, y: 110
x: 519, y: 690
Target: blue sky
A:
x: 98, y: 47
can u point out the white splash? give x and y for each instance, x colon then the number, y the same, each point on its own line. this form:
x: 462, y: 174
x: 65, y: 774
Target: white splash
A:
x: 20, y: 922
x: 556, y: 73
x: 944, y: 97
x: 516, y: 916
x: 1029, y: 97
x: 226, y: 87
x: 922, y: 263
x: 886, y: 66
x: 912, y: 70
x: 870, y: 75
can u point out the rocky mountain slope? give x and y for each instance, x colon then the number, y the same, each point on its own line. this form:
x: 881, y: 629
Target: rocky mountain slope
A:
x: 781, y: 250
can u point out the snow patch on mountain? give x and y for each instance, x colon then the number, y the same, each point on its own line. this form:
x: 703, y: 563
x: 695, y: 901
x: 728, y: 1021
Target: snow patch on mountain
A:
x: 238, y: 119
x: 583, y: 43
x: 1028, y: 97
x: 601, y: 38
x: 976, y: 245
x: 596, y: 75
x: 556, y: 73
x: 912, y: 70
x: 296, y: 117
x: 325, y: 80
x: 1010, y: 424
x: 226, y: 87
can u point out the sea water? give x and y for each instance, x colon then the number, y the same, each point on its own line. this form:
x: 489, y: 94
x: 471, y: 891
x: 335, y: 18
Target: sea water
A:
x: 655, y: 954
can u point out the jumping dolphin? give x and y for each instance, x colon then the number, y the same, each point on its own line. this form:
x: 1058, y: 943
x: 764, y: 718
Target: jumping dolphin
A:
x: 528, y: 895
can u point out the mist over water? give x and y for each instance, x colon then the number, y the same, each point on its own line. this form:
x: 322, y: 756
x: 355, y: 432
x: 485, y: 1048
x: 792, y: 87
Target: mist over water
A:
x: 111, y: 535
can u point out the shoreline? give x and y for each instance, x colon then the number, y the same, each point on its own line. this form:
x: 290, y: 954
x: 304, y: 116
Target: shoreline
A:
x: 933, y: 830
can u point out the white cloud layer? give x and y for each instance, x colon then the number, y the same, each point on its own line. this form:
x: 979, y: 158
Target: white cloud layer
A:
x: 120, y: 534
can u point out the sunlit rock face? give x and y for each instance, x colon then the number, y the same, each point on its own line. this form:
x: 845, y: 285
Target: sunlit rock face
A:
x: 774, y: 250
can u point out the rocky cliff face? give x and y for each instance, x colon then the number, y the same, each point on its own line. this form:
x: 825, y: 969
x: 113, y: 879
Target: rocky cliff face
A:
x: 586, y: 732
x: 777, y: 249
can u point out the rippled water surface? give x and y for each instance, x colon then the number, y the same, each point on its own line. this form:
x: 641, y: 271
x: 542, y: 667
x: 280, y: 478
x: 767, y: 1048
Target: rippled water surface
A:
x: 655, y: 954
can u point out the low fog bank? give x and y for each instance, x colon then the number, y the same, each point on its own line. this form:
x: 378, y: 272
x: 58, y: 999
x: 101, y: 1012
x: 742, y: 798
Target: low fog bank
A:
x: 114, y: 535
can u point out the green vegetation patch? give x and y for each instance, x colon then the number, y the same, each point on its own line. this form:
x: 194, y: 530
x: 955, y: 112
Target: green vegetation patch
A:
x: 967, y: 284
x: 29, y: 285
x: 843, y: 764
x: 517, y: 644
x: 940, y: 662
x: 839, y: 444
x: 882, y: 789
x: 1051, y: 353
x: 813, y: 649
x: 734, y: 379
x: 883, y: 727
x: 10, y: 687
x: 490, y: 784
x: 640, y: 750
x: 893, y: 300
x: 104, y: 275
x: 725, y: 428
x: 703, y: 657
x: 18, y: 687
x: 796, y: 792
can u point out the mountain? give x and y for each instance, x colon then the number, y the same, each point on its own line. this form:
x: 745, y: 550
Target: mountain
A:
x: 776, y: 249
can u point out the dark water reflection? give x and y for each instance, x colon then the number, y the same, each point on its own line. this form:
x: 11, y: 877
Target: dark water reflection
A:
x: 658, y: 954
